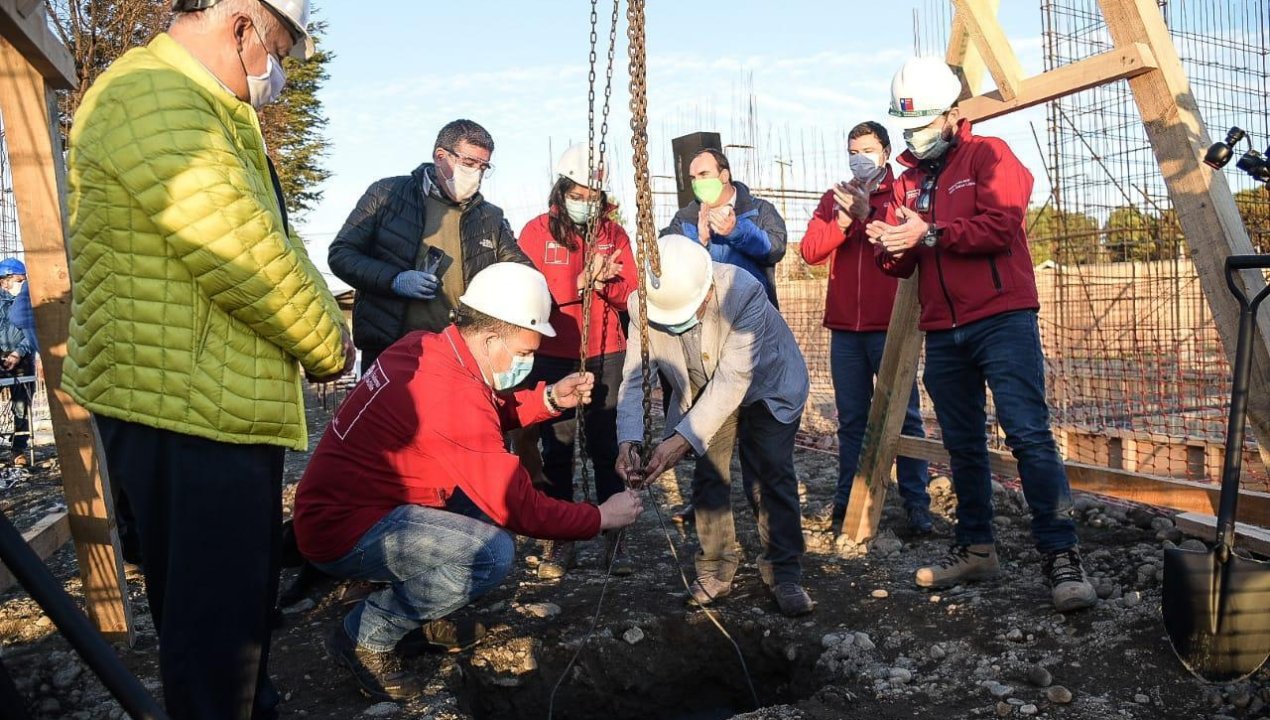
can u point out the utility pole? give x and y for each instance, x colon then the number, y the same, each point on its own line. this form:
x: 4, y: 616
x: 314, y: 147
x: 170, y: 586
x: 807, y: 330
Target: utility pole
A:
x: 784, y: 164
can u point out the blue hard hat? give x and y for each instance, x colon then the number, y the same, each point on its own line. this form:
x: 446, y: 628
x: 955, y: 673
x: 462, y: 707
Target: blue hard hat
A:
x: 11, y: 266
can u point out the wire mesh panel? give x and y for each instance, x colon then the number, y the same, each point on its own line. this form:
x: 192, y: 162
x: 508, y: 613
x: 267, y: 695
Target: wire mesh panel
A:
x: 1138, y: 377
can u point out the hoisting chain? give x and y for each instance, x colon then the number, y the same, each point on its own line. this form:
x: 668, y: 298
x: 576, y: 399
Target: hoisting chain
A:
x: 647, y: 257
x: 595, y: 171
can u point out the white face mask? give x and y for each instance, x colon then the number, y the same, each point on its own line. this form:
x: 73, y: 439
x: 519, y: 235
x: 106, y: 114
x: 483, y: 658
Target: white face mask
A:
x: 463, y: 182
x: 867, y: 167
x: 927, y: 143
x: 580, y: 211
x: 264, y: 89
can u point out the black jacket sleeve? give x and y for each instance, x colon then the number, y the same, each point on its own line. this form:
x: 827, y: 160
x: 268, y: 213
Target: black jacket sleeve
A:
x: 771, y: 222
x: 350, y: 254
x: 508, y: 249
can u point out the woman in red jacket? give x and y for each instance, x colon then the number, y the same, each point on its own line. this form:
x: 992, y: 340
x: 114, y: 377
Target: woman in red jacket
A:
x: 554, y: 242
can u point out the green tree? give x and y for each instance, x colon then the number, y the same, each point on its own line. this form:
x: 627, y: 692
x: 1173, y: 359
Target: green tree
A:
x: 1065, y: 237
x: 1129, y: 235
x: 97, y: 32
x: 1254, y: 208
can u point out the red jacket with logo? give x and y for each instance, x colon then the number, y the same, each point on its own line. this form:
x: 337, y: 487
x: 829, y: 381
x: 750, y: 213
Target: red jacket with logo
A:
x: 562, y: 267
x: 860, y: 295
x: 980, y: 266
x: 420, y: 425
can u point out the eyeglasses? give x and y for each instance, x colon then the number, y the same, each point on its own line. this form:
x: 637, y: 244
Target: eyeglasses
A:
x: 474, y: 163
x: 925, y: 198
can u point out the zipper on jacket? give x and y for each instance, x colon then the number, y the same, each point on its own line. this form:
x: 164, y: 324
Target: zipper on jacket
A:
x: 996, y: 276
x: 859, y: 295
x: 939, y: 265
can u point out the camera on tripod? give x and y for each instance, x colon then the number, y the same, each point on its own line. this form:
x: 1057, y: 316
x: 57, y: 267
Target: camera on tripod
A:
x: 1253, y: 163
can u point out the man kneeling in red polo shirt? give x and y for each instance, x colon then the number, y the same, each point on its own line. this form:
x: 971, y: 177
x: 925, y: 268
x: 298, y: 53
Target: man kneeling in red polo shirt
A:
x: 412, y: 485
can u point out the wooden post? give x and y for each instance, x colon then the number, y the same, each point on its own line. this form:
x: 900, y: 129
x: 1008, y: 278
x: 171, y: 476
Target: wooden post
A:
x: 35, y: 155
x: 886, y: 415
x: 1205, y: 207
x: 979, y: 19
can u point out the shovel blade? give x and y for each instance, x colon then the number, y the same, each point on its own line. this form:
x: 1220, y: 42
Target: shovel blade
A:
x: 1217, y: 614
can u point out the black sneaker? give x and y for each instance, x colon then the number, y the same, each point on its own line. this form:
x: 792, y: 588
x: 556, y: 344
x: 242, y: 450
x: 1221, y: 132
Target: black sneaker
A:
x: 838, y: 517
x: 1069, y: 587
x: 446, y: 635
x: 379, y: 675
x: 919, y: 521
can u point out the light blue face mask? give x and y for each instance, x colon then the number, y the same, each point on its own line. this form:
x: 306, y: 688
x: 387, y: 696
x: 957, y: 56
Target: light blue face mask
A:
x: 516, y: 374
x: 684, y: 326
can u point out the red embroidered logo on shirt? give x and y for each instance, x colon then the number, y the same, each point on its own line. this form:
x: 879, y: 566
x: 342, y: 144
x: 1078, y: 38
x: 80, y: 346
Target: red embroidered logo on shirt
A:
x: 556, y: 254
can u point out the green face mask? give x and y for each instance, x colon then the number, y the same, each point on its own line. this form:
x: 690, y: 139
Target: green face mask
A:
x: 707, y: 190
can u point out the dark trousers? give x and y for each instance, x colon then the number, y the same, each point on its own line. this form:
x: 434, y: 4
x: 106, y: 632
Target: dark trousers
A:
x: 600, y: 419
x: 1002, y: 353
x: 855, y: 359
x: 209, y: 518
x: 771, y: 483
x: 20, y: 395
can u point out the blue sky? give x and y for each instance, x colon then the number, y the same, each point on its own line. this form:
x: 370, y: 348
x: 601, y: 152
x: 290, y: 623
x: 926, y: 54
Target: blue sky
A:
x: 404, y: 68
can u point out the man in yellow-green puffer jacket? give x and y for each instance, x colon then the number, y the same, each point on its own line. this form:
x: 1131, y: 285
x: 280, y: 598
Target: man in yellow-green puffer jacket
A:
x: 194, y: 312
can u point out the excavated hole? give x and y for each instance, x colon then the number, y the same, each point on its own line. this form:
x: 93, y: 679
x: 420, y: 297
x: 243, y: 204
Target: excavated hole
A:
x: 682, y: 670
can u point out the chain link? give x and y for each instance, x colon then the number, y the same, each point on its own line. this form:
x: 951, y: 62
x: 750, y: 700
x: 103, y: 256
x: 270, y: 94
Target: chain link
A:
x: 595, y: 170
x: 648, y: 259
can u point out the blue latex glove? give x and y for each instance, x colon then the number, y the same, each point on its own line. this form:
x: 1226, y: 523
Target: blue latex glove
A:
x: 416, y: 284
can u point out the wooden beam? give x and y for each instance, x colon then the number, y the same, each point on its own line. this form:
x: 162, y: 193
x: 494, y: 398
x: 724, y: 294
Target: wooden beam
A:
x: 35, y: 156
x: 980, y: 20
x: 26, y: 28
x: 1205, y: 207
x: 1119, y: 64
x: 1204, y: 527
x: 44, y: 538
x: 891, y: 395
x: 963, y: 54
x: 1181, y: 495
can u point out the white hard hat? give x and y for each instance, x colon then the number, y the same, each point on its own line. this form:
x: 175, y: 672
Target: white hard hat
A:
x: 687, y: 273
x: 922, y: 90
x: 574, y: 164
x: 296, y: 15
x: 513, y: 293
x: 293, y: 13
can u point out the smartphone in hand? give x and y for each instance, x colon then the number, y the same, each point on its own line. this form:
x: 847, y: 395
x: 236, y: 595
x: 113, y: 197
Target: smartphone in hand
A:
x: 432, y: 260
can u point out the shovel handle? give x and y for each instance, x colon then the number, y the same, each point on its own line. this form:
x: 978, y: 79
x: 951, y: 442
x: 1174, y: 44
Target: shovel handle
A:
x: 1242, y: 372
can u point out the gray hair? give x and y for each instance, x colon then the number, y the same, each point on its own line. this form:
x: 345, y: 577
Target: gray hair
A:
x: 463, y: 131
x: 260, y: 16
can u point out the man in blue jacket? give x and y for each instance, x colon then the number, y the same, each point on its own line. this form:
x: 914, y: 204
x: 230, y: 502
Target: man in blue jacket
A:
x: 17, y: 352
x: 736, y: 227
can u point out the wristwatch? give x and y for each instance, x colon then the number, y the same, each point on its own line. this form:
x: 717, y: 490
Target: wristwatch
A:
x: 931, y: 238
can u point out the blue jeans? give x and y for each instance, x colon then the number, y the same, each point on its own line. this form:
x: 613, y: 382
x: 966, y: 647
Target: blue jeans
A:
x: 1004, y: 353
x: 854, y: 359
x: 435, y: 561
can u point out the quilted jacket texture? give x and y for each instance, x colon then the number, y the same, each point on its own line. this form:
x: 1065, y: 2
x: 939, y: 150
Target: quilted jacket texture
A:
x: 381, y: 239
x: 191, y: 303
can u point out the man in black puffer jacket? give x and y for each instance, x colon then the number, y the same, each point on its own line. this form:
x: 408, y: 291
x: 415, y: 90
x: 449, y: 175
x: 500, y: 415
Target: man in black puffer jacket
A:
x: 412, y: 243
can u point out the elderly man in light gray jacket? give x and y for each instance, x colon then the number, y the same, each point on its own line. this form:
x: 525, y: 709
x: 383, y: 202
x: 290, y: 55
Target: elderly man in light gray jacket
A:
x: 735, y: 373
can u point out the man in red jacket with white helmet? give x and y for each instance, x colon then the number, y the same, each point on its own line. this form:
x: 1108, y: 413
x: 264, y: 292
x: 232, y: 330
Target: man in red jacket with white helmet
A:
x: 412, y: 485
x: 858, y: 306
x: 958, y: 215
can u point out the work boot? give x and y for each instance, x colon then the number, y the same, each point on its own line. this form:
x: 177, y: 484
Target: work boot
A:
x: 919, y: 521
x: 1069, y: 587
x: 838, y: 517
x: 707, y: 588
x: 379, y: 675
x: 963, y: 563
x: 447, y: 635
x: 616, y: 558
x: 686, y: 516
x: 793, y: 599
x: 20, y: 460
x: 559, y: 558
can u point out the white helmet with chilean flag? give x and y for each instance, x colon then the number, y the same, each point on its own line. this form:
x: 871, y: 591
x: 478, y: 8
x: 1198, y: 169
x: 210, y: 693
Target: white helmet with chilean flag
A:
x: 294, y: 14
x: 922, y: 90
